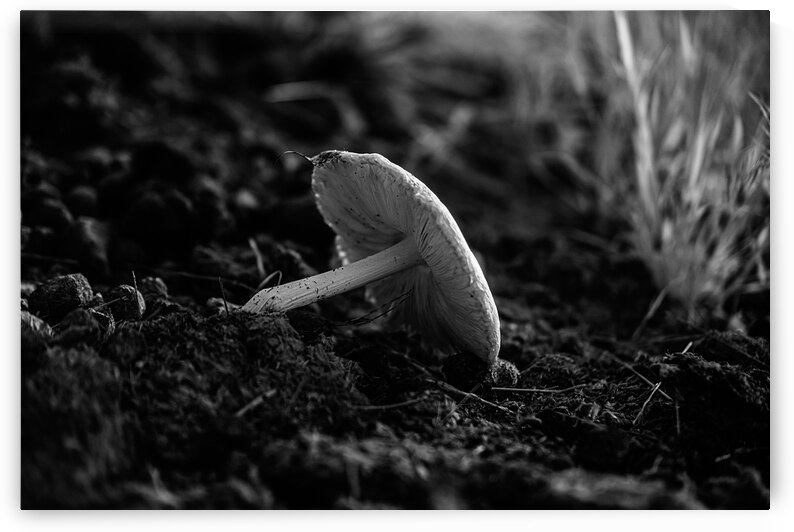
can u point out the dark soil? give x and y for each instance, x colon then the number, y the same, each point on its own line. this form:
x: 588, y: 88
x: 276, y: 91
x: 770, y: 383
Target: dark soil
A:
x: 154, y: 200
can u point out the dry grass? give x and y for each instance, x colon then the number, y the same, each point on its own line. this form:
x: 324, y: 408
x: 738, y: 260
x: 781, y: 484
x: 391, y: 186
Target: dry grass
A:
x: 698, y: 197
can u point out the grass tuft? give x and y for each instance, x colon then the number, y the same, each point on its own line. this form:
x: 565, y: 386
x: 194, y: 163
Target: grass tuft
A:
x: 698, y: 203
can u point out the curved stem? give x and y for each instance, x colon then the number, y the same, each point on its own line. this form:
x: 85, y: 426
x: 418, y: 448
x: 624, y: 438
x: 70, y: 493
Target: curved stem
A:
x: 302, y: 292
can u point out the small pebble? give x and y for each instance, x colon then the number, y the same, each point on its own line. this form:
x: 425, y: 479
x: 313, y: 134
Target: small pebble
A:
x: 57, y: 297
x: 125, y: 302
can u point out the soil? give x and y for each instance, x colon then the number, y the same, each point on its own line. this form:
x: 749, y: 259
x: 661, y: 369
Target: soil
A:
x: 154, y: 199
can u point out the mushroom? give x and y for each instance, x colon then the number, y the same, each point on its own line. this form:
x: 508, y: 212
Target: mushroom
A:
x: 397, y: 238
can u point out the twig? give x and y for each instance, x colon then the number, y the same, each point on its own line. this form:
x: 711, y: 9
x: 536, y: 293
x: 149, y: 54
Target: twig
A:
x: 223, y: 295
x: 258, y: 400
x: 640, y: 375
x: 458, y: 405
x: 368, y: 318
x: 297, y: 391
x: 538, y: 390
x: 269, y: 278
x: 446, y: 387
x: 528, y: 368
x: 677, y: 420
x: 177, y: 273
x: 296, y: 153
x: 651, y: 311
x: 645, y: 404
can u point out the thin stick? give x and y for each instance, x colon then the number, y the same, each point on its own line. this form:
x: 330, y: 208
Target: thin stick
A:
x: 269, y: 278
x: 469, y: 395
x: 645, y: 404
x: 297, y: 391
x: 413, y: 363
x: 258, y: 400
x: 651, y: 311
x: 177, y: 273
x: 365, y: 318
x: 223, y: 295
x: 296, y: 153
x: 638, y: 374
x: 538, y: 390
x: 677, y: 420
x: 459, y: 404
x: 527, y: 369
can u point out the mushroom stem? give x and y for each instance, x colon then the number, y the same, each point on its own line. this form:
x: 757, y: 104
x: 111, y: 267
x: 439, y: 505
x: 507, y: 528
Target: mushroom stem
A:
x: 302, y: 292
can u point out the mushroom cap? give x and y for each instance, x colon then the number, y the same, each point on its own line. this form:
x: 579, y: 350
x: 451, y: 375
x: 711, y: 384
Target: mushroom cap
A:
x: 372, y: 204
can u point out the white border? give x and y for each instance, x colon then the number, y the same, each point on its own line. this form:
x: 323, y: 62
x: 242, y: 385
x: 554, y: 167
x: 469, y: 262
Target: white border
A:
x: 783, y: 272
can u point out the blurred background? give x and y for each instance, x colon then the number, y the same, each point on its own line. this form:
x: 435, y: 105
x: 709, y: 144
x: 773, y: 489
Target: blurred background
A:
x: 572, y: 147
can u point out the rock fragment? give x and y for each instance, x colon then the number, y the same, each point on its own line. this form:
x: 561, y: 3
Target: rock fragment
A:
x: 57, y: 297
x: 125, y: 302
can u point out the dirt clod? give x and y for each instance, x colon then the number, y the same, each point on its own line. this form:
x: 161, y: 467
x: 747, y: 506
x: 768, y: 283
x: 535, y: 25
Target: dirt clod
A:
x: 56, y: 297
x: 125, y: 302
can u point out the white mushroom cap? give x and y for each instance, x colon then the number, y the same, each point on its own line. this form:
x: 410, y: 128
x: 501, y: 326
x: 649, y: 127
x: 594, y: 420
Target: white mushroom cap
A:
x: 372, y: 204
